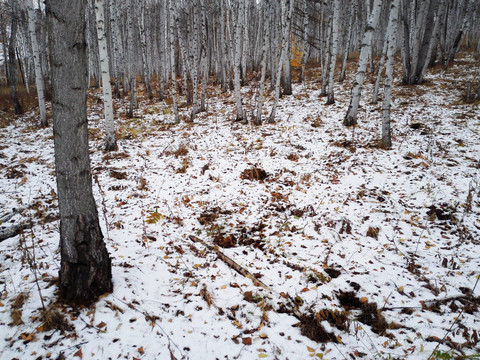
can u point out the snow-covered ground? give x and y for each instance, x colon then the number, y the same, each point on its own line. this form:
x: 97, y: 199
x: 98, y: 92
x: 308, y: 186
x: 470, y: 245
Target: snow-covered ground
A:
x: 363, y: 253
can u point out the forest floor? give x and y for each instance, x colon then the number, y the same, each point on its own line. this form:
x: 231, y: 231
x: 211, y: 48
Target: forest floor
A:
x: 294, y: 240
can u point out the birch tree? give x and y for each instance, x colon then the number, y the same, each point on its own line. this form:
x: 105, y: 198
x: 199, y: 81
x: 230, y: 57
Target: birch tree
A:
x: 305, y: 42
x: 347, y: 40
x: 237, y: 62
x: 387, y: 97
x: 418, y: 20
x: 351, y: 116
x: 285, y: 16
x: 333, y: 52
x: 194, y: 49
x: 85, y: 270
x: 266, y: 17
x: 110, y: 138
x: 381, y: 65
x: 287, y: 71
x: 117, y: 48
x: 12, y: 66
x: 143, y: 47
x: 37, y: 65
x: 132, y: 76
x: 171, y: 39
x: 203, y: 56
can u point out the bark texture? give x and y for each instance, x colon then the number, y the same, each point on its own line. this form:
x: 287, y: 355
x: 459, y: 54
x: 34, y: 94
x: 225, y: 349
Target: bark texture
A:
x: 85, y: 271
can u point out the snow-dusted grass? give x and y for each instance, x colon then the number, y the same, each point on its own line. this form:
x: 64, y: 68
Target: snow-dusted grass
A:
x: 302, y: 231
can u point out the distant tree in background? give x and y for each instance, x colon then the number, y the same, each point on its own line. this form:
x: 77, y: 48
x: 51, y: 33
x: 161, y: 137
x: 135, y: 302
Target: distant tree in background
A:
x: 12, y: 59
x: 177, y: 48
x: 37, y: 62
x: 110, y: 138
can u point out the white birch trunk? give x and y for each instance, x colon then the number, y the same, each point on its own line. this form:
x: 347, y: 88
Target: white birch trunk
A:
x: 266, y: 18
x: 387, y: 99
x: 325, y: 36
x: 171, y: 38
x: 348, y: 40
x: 351, y: 116
x: 203, y: 56
x: 194, y: 64
x: 305, y: 41
x: 131, y: 63
x: 230, y: 38
x: 223, y: 48
x: 143, y: 46
x: 37, y: 65
x: 185, y: 62
x: 285, y: 17
x: 287, y: 72
x: 381, y: 66
x: 237, y: 62
x: 110, y: 139
x: 333, y: 54
x: 245, y: 42
x: 117, y: 51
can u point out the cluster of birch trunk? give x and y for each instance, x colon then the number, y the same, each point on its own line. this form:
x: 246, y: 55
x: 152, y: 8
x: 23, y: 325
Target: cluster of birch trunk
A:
x: 181, y: 46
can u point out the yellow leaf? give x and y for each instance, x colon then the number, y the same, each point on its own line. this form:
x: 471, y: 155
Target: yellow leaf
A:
x: 154, y: 217
x: 263, y: 336
x: 310, y: 349
x: 262, y: 355
x: 237, y: 324
x: 223, y: 287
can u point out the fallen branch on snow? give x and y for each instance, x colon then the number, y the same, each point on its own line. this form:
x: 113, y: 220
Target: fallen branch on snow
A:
x: 11, y: 214
x: 11, y: 231
x: 230, y: 262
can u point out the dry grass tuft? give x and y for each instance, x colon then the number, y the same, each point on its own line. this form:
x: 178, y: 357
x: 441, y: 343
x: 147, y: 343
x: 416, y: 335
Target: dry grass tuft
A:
x: 20, y: 300
x: 311, y: 328
x: 16, y: 316
x: 53, y: 320
x: 254, y: 173
x: 373, y: 232
x: 205, y: 294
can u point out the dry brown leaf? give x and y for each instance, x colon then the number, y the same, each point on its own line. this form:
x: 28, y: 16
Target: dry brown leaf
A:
x: 247, y: 341
x: 79, y: 354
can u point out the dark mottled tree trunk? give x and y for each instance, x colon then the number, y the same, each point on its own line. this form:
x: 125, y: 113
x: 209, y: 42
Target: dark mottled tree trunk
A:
x: 85, y: 271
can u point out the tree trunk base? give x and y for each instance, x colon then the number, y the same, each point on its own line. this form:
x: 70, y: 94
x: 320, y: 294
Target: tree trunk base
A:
x: 349, y: 121
x: 85, y: 277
